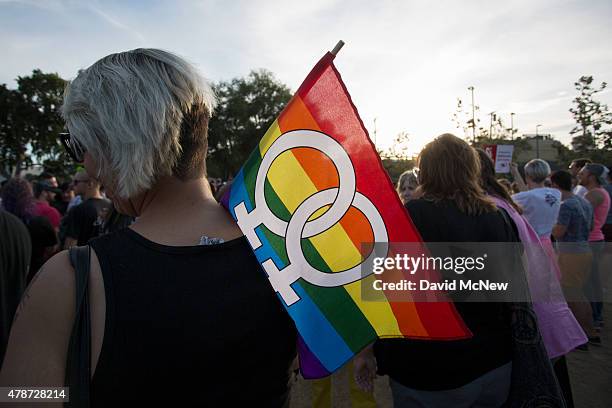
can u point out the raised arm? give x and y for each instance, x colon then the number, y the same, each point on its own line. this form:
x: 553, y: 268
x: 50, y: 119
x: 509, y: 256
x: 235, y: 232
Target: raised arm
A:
x: 517, y: 177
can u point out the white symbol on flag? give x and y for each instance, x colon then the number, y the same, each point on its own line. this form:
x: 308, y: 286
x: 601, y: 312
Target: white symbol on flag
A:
x: 341, y: 199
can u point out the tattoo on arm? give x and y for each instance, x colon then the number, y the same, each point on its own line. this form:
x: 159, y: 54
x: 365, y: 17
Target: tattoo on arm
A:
x: 26, y: 293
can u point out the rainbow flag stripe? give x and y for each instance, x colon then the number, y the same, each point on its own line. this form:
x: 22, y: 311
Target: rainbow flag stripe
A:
x: 335, y: 323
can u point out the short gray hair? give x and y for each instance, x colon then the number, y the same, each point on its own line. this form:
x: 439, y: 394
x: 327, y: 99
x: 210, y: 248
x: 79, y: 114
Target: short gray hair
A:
x: 537, y: 170
x: 136, y: 113
x: 407, y: 177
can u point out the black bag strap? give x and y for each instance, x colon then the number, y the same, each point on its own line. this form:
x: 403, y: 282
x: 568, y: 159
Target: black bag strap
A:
x: 78, y: 361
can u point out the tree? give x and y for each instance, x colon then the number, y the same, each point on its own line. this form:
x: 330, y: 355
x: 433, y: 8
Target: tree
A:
x: 499, y: 130
x: 593, y: 119
x: 30, y: 122
x: 463, y: 120
x: 398, y: 149
x: 396, y: 159
x: 247, y: 108
x: 395, y: 167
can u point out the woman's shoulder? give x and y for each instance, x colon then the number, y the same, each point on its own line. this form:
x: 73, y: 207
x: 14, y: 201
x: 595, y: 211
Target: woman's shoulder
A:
x: 42, y: 325
x: 50, y: 295
x: 424, y: 204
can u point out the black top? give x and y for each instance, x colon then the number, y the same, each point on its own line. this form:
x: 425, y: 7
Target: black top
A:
x: 442, y: 365
x: 83, y: 221
x: 43, y: 236
x: 189, y: 326
x: 14, y: 261
x: 60, y: 205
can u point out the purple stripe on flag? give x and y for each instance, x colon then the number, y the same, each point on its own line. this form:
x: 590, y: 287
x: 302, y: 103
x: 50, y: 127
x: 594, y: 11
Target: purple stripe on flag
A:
x: 226, y: 197
x: 310, y: 366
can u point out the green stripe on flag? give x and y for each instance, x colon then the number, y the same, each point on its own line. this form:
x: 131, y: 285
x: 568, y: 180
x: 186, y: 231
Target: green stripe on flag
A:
x: 337, y: 305
x: 348, y: 320
x: 275, y: 204
x: 277, y: 243
x: 249, y: 170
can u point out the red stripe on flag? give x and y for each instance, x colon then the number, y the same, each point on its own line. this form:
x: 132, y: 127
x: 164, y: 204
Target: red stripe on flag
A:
x: 330, y: 105
x: 444, y: 329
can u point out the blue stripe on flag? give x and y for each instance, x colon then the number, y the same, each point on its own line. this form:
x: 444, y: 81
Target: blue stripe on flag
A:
x: 317, y: 332
x: 239, y: 194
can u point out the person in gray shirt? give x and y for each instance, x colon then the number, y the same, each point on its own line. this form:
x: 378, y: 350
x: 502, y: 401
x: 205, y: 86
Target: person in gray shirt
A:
x: 571, y: 232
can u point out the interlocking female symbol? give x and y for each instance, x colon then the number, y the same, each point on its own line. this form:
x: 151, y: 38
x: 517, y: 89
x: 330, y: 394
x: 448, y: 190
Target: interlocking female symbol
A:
x: 341, y: 199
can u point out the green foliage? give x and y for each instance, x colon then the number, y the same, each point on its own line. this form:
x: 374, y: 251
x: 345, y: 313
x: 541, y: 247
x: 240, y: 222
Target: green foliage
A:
x: 395, y: 167
x: 30, y: 123
x: 593, y: 119
x: 247, y: 108
x: 495, y: 130
x: 566, y: 155
x: 396, y: 159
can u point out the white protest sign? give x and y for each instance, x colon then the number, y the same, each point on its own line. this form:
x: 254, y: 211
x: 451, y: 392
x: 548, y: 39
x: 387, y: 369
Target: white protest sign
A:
x: 501, y: 155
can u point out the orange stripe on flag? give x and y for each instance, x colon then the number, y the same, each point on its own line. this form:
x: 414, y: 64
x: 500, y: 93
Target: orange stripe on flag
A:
x: 297, y: 116
x: 357, y: 228
x: 323, y: 174
x: 319, y: 167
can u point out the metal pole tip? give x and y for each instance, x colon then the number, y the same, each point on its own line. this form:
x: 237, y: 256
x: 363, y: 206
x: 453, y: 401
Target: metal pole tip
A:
x: 337, y: 48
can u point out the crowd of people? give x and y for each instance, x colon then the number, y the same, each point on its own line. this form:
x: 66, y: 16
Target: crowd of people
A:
x: 174, y: 302
x: 565, y: 213
x: 59, y: 216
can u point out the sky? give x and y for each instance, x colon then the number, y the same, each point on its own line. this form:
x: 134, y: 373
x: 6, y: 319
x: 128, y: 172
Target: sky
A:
x: 405, y: 63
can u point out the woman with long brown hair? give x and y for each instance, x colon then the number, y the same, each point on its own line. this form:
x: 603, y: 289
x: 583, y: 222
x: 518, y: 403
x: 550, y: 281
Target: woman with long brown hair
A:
x: 453, y: 207
x: 492, y: 185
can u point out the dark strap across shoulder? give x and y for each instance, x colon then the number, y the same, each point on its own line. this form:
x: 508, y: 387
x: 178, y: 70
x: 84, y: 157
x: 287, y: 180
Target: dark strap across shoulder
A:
x: 78, y: 360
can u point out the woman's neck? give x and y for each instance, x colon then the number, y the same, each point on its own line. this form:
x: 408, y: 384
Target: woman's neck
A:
x: 176, y: 212
x: 531, y: 185
x: 172, y: 193
x: 566, y: 194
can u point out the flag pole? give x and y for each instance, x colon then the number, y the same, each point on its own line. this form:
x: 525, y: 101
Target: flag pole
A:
x: 337, y: 48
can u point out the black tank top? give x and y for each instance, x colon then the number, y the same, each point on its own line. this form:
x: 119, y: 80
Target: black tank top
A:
x: 189, y: 326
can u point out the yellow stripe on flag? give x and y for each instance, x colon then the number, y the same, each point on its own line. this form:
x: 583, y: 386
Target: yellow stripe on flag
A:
x: 326, y: 243
x: 271, y: 135
x: 378, y: 313
x: 291, y: 190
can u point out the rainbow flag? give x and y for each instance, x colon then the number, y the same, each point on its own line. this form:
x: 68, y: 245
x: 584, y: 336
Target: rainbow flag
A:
x: 308, y: 198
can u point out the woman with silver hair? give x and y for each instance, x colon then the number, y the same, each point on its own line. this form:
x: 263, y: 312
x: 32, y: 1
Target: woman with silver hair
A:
x: 181, y: 312
x: 540, y: 204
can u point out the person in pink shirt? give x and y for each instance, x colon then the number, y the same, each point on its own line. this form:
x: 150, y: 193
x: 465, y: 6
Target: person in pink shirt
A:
x: 593, y: 176
x: 560, y: 330
x: 44, y: 192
